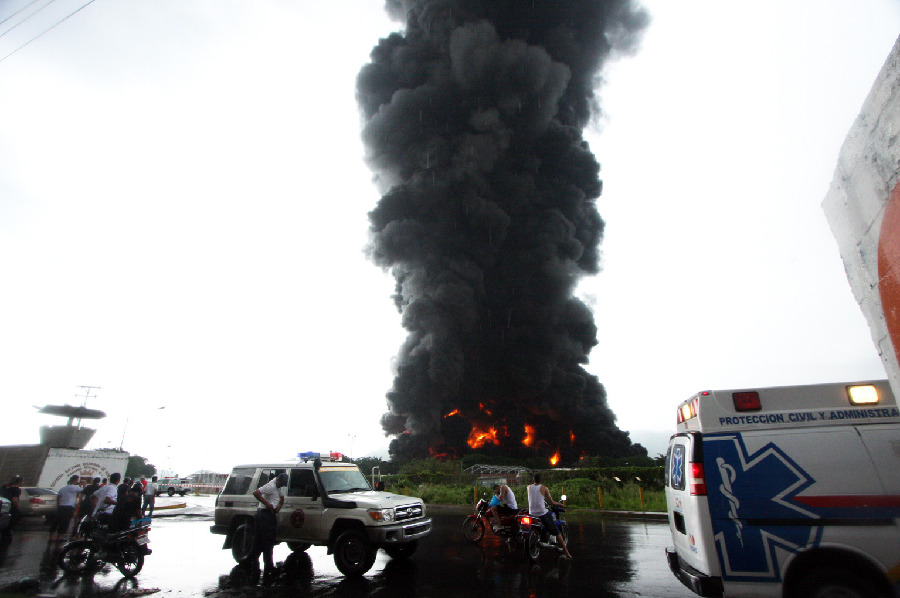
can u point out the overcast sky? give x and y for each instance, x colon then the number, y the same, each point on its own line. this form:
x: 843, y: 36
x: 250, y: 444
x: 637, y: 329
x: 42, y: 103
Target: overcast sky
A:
x: 183, y: 205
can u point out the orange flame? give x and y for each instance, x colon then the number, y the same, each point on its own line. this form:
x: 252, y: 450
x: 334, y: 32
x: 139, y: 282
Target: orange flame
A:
x: 529, y: 435
x: 452, y: 413
x: 440, y: 456
x: 571, y: 436
x: 554, y: 459
x: 482, y: 407
x: 477, y: 438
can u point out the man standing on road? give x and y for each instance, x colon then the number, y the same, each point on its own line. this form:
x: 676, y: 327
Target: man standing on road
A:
x: 537, y: 493
x: 69, y: 496
x: 149, y: 497
x: 271, y: 499
x: 86, y: 506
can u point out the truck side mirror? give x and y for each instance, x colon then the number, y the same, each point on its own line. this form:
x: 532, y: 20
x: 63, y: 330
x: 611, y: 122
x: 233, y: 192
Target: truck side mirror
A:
x: 379, y: 485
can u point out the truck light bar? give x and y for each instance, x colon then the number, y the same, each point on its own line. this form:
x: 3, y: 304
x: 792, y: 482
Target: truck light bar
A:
x: 862, y: 395
x: 309, y: 455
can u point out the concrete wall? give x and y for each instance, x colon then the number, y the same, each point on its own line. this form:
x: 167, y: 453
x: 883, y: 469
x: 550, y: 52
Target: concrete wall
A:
x: 863, y: 209
x: 26, y: 460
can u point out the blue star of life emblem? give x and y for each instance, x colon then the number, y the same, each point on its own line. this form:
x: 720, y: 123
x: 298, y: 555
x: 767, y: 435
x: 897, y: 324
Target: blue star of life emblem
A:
x: 678, y: 466
x: 750, y: 501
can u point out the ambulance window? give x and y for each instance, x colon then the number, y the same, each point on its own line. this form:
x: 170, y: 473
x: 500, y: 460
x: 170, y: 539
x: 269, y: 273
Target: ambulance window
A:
x: 303, y: 483
x: 239, y: 482
x: 266, y: 475
x: 676, y: 468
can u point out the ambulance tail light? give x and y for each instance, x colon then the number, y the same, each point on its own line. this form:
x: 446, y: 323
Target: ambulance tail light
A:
x: 747, y: 401
x: 863, y: 395
x: 697, y: 480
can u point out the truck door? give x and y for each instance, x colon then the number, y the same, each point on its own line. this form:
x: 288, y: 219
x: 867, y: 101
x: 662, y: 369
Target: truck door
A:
x: 687, y: 504
x: 301, y: 516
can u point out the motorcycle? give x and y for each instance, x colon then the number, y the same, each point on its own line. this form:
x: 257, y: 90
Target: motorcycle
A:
x: 125, y: 549
x: 534, y: 535
x: 475, y: 524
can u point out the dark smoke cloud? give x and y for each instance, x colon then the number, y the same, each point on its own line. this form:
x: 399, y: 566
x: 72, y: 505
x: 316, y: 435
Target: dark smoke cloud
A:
x: 473, y: 122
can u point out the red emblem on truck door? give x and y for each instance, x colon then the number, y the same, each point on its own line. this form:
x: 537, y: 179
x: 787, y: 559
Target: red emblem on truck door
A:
x: 297, y: 518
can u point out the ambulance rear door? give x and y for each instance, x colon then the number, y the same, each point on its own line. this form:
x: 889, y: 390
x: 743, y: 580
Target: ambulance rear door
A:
x: 687, y: 506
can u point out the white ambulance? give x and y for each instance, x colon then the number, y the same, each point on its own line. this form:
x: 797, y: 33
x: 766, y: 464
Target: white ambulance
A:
x: 787, y: 492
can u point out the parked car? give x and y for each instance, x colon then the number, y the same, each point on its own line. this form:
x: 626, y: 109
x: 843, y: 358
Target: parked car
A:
x: 34, y: 502
x: 5, y: 507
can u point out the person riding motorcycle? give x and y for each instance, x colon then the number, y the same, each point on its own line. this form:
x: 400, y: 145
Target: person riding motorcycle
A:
x: 537, y: 494
x: 503, y: 504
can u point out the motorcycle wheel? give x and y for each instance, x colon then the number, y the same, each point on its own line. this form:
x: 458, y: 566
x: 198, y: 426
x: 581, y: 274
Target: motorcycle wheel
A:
x: 533, y: 545
x: 131, y: 560
x: 77, y: 557
x: 473, y: 529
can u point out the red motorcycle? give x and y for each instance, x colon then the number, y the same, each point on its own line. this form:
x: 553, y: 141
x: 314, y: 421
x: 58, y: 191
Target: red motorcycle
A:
x: 475, y: 524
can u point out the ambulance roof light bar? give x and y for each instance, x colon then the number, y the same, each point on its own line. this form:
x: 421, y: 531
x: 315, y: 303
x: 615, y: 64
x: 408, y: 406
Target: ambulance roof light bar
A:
x: 865, y: 394
x: 688, y: 410
x: 310, y: 455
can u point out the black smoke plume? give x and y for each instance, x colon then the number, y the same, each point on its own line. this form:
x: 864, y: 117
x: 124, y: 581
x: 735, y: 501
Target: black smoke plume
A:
x: 473, y: 120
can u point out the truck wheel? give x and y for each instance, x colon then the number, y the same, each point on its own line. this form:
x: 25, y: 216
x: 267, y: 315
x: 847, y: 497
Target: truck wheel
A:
x: 171, y: 491
x: 182, y: 493
x: 299, y: 546
x: 352, y: 553
x: 473, y: 529
x: 837, y: 583
x: 533, y: 545
x: 242, y: 542
x: 402, y: 551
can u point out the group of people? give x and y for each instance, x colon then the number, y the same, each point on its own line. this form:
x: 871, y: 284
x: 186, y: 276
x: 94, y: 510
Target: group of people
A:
x: 503, y: 504
x: 105, y: 501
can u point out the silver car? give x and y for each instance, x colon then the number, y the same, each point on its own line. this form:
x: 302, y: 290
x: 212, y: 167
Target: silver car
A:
x: 35, y: 502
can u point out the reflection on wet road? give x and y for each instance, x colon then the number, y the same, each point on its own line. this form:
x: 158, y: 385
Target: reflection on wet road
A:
x: 612, y: 558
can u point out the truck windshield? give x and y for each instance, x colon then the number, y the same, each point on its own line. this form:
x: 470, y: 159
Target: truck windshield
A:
x: 343, y: 480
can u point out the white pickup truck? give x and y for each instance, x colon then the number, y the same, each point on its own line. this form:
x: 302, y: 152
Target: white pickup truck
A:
x: 327, y: 503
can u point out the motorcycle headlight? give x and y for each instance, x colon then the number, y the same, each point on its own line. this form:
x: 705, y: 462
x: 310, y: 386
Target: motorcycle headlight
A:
x: 385, y: 515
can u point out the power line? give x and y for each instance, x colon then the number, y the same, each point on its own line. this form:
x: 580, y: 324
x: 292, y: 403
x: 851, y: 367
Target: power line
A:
x: 79, y: 9
x: 26, y: 18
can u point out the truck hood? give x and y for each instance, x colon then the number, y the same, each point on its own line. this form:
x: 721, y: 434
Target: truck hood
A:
x: 376, y: 500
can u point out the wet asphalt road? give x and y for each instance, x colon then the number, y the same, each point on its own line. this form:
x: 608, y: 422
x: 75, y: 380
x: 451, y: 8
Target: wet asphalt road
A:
x: 613, y: 557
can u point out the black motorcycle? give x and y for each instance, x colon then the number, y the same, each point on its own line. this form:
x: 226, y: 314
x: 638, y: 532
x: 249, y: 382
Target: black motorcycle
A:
x: 535, y: 536
x: 125, y: 550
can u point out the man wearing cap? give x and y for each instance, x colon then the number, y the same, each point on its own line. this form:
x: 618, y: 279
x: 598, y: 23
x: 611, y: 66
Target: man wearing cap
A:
x: 271, y: 499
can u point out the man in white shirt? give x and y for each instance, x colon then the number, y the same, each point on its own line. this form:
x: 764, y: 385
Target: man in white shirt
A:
x: 271, y: 499
x: 537, y: 494
x: 506, y: 507
x: 106, y: 499
x: 68, y: 497
x: 149, y: 497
